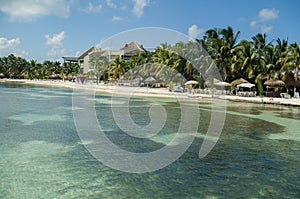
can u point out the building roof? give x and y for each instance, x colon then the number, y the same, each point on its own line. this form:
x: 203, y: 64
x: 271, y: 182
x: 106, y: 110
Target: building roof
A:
x: 274, y: 83
x: 87, y: 52
x: 130, y: 49
x: 133, y: 48
x: 70, y: 59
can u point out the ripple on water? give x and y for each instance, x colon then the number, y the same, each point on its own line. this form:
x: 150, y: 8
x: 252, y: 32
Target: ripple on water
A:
x: 31, y: 169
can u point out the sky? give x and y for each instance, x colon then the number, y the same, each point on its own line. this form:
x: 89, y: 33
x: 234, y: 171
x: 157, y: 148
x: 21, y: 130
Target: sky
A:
x: 49, y: 29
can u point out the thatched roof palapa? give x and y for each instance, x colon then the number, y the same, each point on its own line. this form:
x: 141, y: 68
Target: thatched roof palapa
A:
x: 238, y: 81
x: 221, y: 83
x: 245, y: 85
x: 150, y: 79
x: 274, y: 83
x: 133, y: 48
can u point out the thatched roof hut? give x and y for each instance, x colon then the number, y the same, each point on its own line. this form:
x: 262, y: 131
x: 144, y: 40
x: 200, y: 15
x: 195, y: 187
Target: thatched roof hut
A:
x: 221, y: 83
x: 216, y: 82
x: 238, y: 81
x: 133, y: 48
x: 150, y: 79
x: 274, y: 83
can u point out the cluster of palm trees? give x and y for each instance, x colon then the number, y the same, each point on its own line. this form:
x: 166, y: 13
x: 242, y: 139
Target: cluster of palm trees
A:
x: 17, y: 67
x: 256, y: 61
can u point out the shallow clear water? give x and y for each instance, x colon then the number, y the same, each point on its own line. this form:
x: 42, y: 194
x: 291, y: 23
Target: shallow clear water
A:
x: 41, y: 155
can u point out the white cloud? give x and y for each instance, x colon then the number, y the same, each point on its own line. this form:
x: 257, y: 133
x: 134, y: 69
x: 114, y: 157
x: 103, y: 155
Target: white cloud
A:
x: 20, y: 10
x: 265, y: 15
x: 9, y: 46
x: 138, y: 8
x: 8, y: 43
x: 116, y: 18
x: 194, y: 32
x: 268, y: 14
x: 56, y: 53
x: 21, y: 53
x: 253, y: 24
x: 54, y: 41
x: 92, y: 8
x: 266, y: 28
x: 111, y: 4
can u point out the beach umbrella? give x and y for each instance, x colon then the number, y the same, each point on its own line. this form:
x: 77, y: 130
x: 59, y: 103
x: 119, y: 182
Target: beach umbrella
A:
x: 208, y: 82
x: 191, y: 82
x: 81, y: 79
x: 216, y: 81
x: 245, y: 85
x: 150, y: 79
x: 222, y: 84
x: 274, y: 83
x: 238, y: 81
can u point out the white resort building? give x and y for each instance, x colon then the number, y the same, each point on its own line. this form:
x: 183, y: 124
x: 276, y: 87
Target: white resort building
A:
x: 86, y: 64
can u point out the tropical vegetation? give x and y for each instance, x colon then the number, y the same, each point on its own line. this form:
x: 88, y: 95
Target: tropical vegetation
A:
x: 19, y: 68
x: 256, y: 60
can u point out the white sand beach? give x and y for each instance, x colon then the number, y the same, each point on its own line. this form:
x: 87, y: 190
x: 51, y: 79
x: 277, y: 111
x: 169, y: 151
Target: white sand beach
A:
x: 152, y: 92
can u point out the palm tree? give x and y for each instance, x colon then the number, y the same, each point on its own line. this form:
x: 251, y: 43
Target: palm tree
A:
x: 165, y: 46
x: 282, y: 48
x: 41, y: 71
x: 188, y: 58
x: 245, y: 60
x: 272, y: 65
x: 47, y: 69
x: 165, y: 57
x: 146, y: 57
x: 74, y: 70
x: 229, y: 44
x: 5, y: 67
x: 55, y: 69
x: 30, y: 69
x: 167, y: 75
x: 212, y: 41
x: 292, y: 62
x: 221, y: 45
x: 100, y: 64
x: 229, y: 38
x: 176, y: 58
x: 117, y: 68
x: 274, y: 58
x: 140, y: 59
x: 67, y: 69
x: 14, y: 66
x: 135, y: 61
x: 260, y: 41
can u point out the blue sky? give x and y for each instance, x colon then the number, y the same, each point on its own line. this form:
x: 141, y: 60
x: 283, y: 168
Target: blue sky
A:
x: 49, y: 29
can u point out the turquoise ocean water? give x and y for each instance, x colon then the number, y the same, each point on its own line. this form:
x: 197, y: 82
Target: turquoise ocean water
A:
x: 41, y: 155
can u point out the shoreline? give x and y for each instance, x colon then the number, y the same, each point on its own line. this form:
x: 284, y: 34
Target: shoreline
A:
x: 152, y: 92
